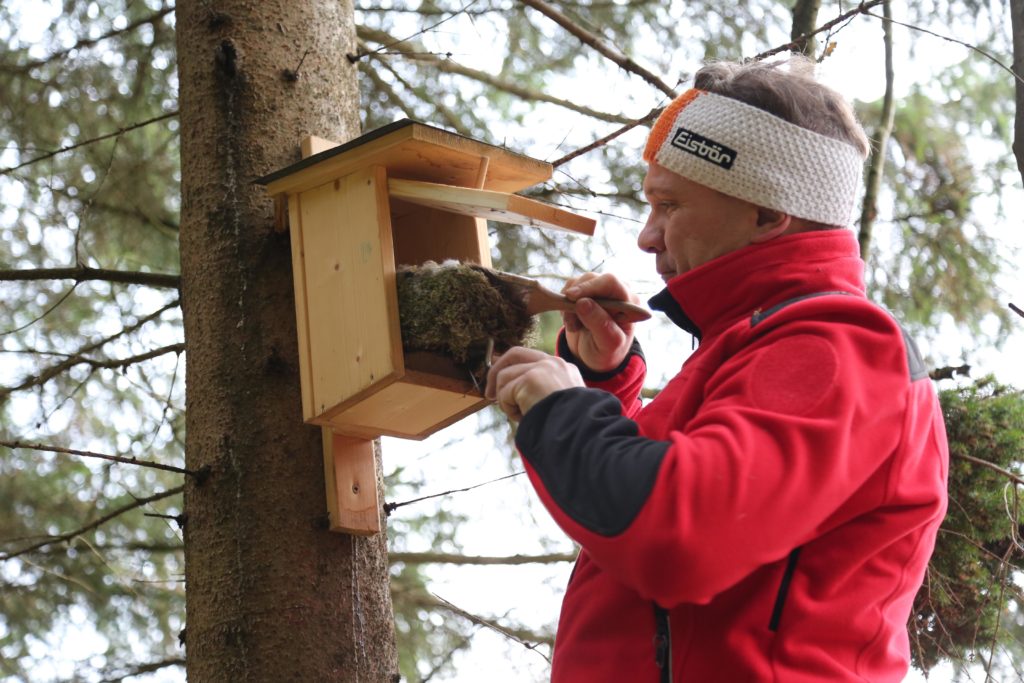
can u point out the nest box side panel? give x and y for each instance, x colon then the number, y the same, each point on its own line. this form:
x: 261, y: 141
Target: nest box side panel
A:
x: 427, y: 234
x: 407, y: 410
x: 353, y: 340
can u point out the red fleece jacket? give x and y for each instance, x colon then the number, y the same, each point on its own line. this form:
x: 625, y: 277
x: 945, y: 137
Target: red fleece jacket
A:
x: 769, y: 516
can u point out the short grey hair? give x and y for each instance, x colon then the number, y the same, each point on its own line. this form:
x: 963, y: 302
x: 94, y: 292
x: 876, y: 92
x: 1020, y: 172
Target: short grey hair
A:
x: 791, y: 93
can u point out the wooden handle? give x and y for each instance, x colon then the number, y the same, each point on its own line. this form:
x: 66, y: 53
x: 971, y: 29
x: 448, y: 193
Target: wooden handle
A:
x: 541, y: 299
x: 623, y: 311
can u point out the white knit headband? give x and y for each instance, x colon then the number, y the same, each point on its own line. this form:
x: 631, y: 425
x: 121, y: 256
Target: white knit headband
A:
x: 745, y: 152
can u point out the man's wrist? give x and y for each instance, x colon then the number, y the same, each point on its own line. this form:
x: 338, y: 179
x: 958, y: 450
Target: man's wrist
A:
x: 589, y: 374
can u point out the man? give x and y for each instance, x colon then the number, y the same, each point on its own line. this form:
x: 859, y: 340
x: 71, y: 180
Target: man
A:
x: 770, y: 515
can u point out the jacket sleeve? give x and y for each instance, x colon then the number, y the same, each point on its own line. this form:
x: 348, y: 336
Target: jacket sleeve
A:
x: 790, y: 426
x: 624, y: 382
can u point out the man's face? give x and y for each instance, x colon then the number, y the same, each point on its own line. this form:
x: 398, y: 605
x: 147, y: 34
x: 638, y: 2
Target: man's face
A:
x: 690, y: 224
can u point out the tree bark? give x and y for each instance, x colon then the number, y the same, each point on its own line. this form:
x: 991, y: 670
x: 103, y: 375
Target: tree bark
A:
x: 1017, y: 24
x: 271, y: 595
x: 805, y: 16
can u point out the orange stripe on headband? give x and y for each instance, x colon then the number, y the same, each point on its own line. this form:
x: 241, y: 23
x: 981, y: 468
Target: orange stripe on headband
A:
x: 663, y: 125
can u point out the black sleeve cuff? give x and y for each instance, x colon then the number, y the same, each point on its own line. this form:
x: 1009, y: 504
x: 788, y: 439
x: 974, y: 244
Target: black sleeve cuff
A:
x: 592, y: 375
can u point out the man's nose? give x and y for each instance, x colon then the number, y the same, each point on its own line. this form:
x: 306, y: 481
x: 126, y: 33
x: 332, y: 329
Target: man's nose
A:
x: 650, y: 238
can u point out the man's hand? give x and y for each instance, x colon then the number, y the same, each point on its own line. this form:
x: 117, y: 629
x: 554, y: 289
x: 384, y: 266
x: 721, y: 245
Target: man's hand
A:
x: 522, y: 377
x: 593, y: 335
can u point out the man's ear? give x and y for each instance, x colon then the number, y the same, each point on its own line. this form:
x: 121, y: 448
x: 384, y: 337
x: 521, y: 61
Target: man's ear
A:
x: 770, y: 224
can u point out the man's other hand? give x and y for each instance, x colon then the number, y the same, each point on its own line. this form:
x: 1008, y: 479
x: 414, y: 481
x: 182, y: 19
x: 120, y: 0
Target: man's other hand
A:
x: 521, y: 377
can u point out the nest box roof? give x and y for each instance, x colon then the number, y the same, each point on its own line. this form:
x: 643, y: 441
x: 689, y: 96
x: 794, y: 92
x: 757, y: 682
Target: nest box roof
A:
x: 415, y: 151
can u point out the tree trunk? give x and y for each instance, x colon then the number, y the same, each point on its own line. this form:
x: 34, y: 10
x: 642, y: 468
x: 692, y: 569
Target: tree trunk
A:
x: 271, y: 595
x: 876, y: 162
x: 805, y: 19
x: 1017, y: 24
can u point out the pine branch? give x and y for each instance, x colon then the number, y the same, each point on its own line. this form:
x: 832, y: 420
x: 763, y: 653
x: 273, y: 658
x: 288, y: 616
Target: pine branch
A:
x: 876, y: 164
x: 89, y: 42
x: 598, y: 43
x: 87, y: 273
x: 453, y: 67
x: 95, y: 523
x: 102, y: 456
x: 83, y: 143
x: 80, y: 357
x: 450, y: 558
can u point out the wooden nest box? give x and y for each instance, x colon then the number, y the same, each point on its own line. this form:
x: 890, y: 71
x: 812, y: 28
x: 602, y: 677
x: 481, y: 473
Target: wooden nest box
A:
x: 403, y: 194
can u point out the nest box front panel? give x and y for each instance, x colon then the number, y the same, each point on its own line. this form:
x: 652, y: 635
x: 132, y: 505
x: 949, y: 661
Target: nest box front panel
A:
x: 350, y: 305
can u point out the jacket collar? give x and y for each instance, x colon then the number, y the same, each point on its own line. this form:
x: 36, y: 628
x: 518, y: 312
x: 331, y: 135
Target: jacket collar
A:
x: 712, y: 296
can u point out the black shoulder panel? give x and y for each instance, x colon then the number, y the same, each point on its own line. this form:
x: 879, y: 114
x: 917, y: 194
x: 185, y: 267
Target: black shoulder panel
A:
x: 915, y: 363
x: 761, y: 315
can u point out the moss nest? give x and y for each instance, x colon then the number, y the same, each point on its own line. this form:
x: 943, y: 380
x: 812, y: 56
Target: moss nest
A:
x: 454, y: 308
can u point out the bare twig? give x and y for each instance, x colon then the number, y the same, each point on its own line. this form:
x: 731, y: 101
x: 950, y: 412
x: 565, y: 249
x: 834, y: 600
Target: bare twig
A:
x: 1001, y: 577
x: 102, y: 456
x: 1017, y: 310
x: 977, y: 49
x: 653, y: 114
x: 491, y: 625
x: 83, y: 143
x: 453, y: 67
x: 450, y: 558
x: 601, y: 142
x: 995, y: 468
x: 63, y: 297
x: 77, y: 358
x: 108, y: 363
x: 95, y: 523
x: 89, y: 42
x: 86, y: 273
x: 122, y: 363
x: 794, y: 45
x: 140, y: 669
x: 391, y: 507
x: 598, y: 43
x: 356, y: 57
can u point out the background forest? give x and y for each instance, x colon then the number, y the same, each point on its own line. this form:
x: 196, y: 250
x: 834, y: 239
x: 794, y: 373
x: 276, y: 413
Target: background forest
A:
x: 93, y: 351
